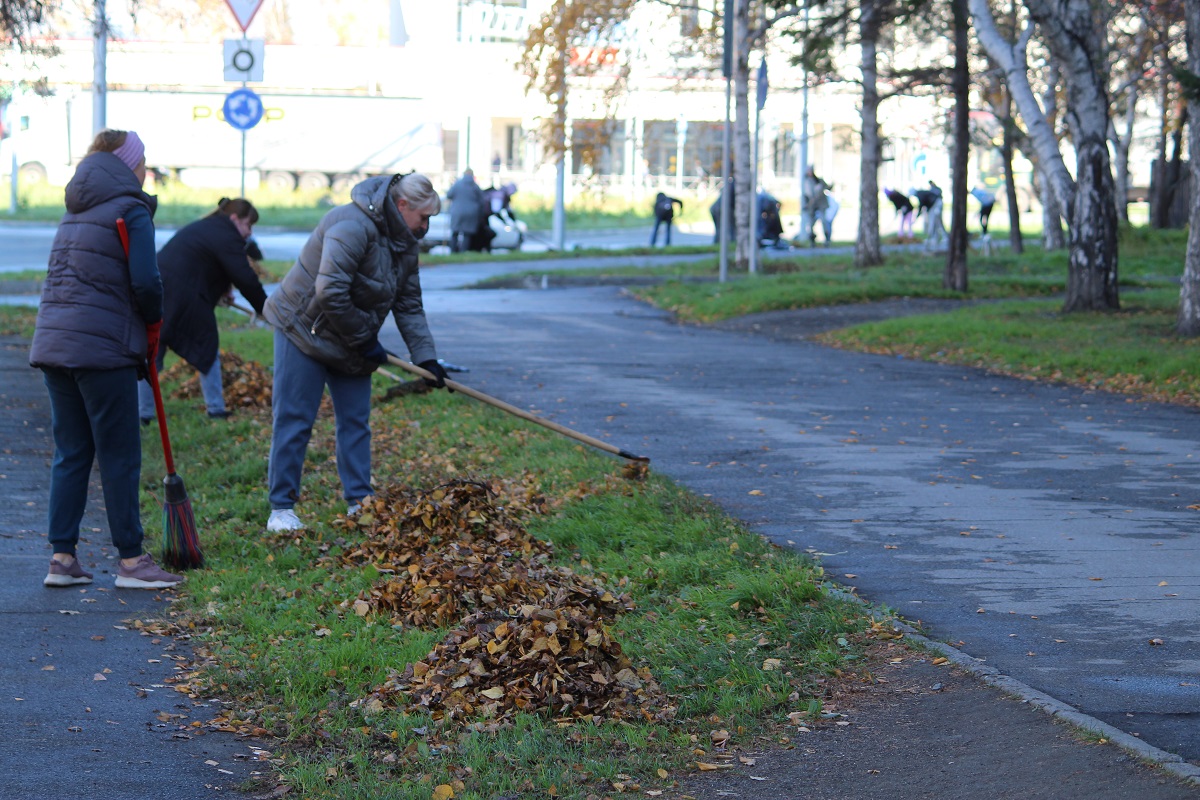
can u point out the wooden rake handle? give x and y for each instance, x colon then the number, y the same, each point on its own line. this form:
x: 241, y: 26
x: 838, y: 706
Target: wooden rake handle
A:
x: 516, y: 412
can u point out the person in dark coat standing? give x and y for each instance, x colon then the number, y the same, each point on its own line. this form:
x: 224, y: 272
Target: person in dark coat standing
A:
x: 467, y: 212
x: 98, y: 324
x: 664, y: 213
x: 200, y: 265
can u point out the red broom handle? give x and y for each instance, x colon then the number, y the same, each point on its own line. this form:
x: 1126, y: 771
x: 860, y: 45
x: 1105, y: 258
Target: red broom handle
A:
x: 152, y: 369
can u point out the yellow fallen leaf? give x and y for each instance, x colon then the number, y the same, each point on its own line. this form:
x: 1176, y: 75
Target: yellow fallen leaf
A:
x: 772, y: 664
x: 662, y: 773
x: 443, y: 791
x: 704, y: 766
x: 494, y: 693
x: 755, y: 491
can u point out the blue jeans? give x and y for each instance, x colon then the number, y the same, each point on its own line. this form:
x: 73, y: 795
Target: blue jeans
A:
x: 94, y: 417
x: 299, y: 383
x: 654, y: 233
x: 210, y: 386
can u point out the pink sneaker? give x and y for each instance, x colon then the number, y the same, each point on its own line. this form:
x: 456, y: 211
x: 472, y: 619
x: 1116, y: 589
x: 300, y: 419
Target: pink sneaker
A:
x: 145, y: 574
x: 60, y: 575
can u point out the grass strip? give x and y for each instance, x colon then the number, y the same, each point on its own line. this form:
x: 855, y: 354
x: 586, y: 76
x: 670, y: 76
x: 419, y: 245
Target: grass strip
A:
x: 738, y: 633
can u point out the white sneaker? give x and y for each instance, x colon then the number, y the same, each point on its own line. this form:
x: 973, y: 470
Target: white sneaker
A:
x: 355, y: 507
x: 284, y: 519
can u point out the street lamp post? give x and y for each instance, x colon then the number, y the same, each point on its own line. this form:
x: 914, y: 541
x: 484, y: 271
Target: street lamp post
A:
x: 681, y: 127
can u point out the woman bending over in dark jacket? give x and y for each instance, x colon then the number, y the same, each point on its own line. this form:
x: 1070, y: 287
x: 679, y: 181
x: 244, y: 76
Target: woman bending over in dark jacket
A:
x: 200, y: 266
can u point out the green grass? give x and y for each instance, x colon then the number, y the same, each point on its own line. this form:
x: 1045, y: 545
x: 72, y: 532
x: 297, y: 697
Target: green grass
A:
x: 1134, y: 351
x: 713, y: 602
x: 179, y: 205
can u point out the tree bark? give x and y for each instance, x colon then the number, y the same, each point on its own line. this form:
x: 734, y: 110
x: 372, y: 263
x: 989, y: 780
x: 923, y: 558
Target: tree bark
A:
x: 1075, y: 34
x: 1053, y: 237
x: 955, y: 276
x: 1012, y: 59
x: 1188, y: 321
x: 1010, y: 181
x: 867, y: 249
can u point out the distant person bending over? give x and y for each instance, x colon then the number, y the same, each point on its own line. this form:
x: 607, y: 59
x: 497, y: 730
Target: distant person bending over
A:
x: 987, y: 201
x: 467, y: 212
x: 664, y: 213
x: 904, y: 210
x: 359, y: 265
x: 200, y: 266
x: 98, y: 323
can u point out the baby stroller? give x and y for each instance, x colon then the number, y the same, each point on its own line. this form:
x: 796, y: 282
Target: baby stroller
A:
x: 770, y: 228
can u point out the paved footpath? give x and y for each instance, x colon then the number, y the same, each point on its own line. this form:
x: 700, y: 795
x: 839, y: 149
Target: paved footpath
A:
x: 84, y: 709
x: 1048, y: 533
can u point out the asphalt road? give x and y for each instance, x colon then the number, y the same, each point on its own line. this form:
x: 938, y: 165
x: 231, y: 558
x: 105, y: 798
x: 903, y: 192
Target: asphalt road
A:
x: 1049, y: 532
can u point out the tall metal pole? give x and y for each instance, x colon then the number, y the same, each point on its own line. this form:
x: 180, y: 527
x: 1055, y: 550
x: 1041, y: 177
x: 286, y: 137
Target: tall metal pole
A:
x: 803, y: 170
x: 558, y: 220
x: 99, y: 69
x: 726, y: 189
x: 755, y: 211
x: 680, y: 136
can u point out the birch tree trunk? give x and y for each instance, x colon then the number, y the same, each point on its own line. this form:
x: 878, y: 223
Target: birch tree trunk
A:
x: 1010, y: 181
x: 1053, y: 237
x: 743, y: 236
x: 955, y: 276
x: 867, y: 249
x: 1075, y: 34
x: 1011, y: 57
x: 1188, y: 322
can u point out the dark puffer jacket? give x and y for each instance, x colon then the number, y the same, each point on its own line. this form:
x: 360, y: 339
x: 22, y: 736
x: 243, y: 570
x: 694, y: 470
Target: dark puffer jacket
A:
x: 359, y: 264
x: 88, y: 316
x: 198, y: 266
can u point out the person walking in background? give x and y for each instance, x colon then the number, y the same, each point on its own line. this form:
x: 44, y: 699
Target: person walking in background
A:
x: 98, y: 324
x: 832, y: 206
x: 904, y: 210
x: 467, y: 211
x: 200, y: 265
x: 815, y: 203
x: 357, y: 266
x: 664, y: 213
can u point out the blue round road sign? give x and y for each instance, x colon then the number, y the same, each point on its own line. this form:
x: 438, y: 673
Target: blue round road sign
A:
x: 243, y: 109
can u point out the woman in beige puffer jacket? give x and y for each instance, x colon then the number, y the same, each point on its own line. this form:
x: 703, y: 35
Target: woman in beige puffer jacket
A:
x: 357, y: 266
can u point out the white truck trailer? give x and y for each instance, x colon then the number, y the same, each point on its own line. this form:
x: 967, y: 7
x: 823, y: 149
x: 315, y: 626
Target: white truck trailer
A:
x: 310, y: 141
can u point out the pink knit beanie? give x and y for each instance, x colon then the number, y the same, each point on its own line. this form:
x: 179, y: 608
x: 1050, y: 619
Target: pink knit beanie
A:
x: 132, y: 151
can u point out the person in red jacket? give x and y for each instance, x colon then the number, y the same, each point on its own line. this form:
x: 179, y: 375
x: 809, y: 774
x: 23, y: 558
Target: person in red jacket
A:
x: 201, y: 265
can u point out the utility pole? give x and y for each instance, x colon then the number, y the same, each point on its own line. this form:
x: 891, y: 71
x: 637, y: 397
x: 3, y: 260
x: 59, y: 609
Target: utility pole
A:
x: 100, y: 69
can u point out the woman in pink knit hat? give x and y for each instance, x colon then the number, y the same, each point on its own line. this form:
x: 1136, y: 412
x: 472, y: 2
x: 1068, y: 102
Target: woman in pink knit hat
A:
x: 97, y: 324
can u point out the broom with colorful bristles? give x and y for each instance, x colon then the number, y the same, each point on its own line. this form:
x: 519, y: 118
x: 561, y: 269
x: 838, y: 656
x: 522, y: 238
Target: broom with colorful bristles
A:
x: 181, y: 540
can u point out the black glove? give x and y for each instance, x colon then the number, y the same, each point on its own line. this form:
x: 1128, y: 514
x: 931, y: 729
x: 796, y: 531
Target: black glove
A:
x: 439, y: 373
x: 373, y: 351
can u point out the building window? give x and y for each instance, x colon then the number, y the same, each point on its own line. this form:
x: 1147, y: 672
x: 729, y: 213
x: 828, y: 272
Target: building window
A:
x: 495, y: 21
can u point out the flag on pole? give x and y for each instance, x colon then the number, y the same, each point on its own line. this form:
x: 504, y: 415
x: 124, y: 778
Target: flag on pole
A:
x: 762, y: 84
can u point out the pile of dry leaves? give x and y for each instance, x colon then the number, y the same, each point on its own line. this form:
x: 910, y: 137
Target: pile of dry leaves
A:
x: 528, y: 636
x: 247, y: 383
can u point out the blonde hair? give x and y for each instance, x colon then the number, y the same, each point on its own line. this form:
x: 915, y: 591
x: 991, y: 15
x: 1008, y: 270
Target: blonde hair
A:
x: 417, y: 191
